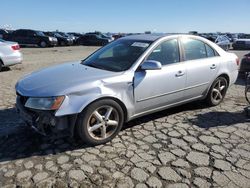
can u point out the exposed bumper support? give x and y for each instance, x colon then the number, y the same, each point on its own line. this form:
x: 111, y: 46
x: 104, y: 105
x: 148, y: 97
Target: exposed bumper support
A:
x: 45, y: 122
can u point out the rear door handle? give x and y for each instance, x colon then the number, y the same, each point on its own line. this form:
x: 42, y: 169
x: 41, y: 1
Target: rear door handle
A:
x: 213, y: 66
x: 179, y: 74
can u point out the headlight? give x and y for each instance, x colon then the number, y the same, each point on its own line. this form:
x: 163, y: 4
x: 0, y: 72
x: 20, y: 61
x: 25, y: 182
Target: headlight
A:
x: 50, y: 39
x: 48, y: 103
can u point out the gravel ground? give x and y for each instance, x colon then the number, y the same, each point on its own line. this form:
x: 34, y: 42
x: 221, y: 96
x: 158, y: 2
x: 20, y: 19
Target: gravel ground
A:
x: 187, y: 146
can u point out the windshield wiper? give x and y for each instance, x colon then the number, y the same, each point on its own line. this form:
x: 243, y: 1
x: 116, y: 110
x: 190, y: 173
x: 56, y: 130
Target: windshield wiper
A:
x: 95, y: 66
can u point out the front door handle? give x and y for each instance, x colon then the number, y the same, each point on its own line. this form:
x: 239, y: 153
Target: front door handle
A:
x: 213, y: 66
x: 179, y: 74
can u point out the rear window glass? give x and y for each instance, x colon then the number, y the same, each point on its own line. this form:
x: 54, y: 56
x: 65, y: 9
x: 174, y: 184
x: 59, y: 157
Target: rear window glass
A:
x: 193, y: 49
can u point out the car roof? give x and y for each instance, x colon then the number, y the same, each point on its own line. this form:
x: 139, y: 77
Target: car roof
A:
x: 146, y: 37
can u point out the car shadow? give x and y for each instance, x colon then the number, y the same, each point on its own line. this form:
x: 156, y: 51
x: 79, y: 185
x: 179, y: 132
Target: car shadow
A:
x: 216, y: 118
x: 17, y: 141
x: 5, y: 69
x: 20, y: 142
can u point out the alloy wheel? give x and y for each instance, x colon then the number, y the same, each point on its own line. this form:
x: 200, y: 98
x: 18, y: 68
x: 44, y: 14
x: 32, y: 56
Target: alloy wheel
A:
x: 103, y: 122
x: 219, y: 91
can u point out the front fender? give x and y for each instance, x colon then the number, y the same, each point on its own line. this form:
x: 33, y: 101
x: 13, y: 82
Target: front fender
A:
x: 74, y: 103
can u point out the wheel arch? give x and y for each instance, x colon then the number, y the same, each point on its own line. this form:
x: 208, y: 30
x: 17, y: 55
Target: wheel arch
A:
x: 122, y: 105
x: 224, y: 75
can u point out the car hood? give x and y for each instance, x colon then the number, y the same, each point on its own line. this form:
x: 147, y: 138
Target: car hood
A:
x: 61, y: 80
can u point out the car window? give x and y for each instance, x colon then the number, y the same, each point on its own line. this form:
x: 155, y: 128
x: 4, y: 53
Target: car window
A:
x: 40, y: 33
x: 210, y: 51
x: 166, y: 53
x: 193, y: 49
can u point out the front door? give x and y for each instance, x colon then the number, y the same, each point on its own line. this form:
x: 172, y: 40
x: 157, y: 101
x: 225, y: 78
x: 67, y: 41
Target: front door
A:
x: 158, y: 88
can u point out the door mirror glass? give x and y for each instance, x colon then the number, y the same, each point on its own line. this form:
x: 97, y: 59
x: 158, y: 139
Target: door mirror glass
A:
x: 151, y: 65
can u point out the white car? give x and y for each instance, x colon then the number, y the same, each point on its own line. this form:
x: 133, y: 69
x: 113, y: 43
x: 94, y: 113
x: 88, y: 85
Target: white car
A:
x: 128, y: 78
x: 223, y: 41
x: 9, y: 54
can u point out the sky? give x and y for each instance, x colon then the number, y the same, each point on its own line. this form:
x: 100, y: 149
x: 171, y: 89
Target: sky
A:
x: 170, y: 16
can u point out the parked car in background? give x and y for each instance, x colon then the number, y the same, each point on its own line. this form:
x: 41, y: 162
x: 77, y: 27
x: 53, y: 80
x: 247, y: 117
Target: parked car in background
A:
x: 75, y: 34
x: 241, y: 44
x: 62, y: 41
x: 117, y: 36
x: 70, y: 38
x: 9, y: 54
x: 128, y: 78
x: 92, y: 40
x: 220, y: 40
x: 29, y: 37
x: 245, y: 64
x: 3, y: 33
x: 101, y: 35
x: 223, y: 42
x: 232, y: 37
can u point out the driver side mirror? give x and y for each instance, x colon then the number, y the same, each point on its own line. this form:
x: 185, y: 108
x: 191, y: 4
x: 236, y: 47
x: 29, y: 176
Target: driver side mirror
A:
x: 151, y: 65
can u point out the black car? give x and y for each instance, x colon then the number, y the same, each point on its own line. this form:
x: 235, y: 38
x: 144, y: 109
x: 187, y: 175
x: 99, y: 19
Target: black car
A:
x: 29, y: 37
x: 69, y: 37
x: 92, y: 40
x: 3, y: 33
x: 77, y: 35
x: 245, y: 64
x: 62, y: 40
x: 241, y: 44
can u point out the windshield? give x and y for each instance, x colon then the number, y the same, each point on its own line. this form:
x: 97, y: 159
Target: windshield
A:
x: 40, y: 33
x: 58, y: 35
x: 117, y: 56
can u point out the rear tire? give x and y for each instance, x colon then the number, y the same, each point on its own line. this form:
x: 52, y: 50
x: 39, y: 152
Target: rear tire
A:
x: 217, y: 91
x: 100, y: 122
x: 43, y: 44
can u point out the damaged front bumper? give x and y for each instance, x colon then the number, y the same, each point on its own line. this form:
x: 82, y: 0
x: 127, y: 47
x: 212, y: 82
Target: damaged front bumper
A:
x: 45, y: 122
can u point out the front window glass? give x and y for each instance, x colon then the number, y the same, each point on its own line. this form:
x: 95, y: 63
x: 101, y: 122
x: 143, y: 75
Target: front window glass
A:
x: 166, y: 53
x: 193, y: 49
x: 58, y: 35
x: 117, y: 56
x: 40, y: 33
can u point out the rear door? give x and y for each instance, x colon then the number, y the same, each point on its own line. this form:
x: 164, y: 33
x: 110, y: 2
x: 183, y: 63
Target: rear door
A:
x: 202, y: 64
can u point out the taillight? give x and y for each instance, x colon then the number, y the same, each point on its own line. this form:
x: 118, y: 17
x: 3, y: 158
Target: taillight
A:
x: 15, y: 47
x: 237, y: 61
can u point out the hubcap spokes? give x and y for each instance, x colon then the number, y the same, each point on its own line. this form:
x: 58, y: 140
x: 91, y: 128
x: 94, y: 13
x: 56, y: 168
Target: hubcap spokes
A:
x: 103, y: 122
x: 218, y: 91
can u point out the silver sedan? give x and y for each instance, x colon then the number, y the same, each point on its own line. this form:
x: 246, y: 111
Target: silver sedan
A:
x: 9, y: 54
x: 128, y: 78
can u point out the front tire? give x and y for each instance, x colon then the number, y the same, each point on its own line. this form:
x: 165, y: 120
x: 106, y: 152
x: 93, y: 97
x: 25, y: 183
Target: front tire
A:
x: 217, y: 91
x: 100, y: 122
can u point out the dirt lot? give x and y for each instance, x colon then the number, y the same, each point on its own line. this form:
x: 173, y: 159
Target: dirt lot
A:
x: 188, y: 146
